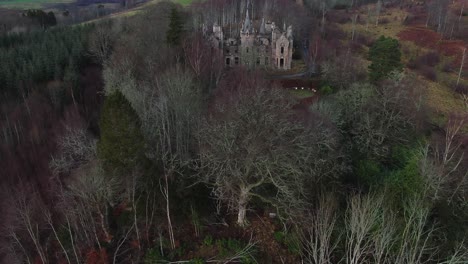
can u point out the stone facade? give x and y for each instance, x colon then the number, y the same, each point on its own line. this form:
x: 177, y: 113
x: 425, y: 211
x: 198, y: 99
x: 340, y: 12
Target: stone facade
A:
x: 267, y: 47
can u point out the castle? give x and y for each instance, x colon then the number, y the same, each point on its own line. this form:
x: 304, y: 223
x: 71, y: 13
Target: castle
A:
x: 269, y: 47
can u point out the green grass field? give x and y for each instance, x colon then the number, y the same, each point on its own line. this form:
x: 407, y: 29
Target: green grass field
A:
x: 30, y: 4
x: 184, y: 2
x: 38, y: 4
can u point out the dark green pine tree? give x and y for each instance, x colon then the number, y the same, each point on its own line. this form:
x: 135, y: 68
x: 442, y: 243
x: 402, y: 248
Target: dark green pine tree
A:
x: 385, y: 57
x: 176, y: 28
x: 121, y: 143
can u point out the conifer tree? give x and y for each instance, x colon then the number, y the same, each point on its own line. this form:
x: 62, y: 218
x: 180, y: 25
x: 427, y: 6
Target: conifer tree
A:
x: 385, y: 56
x: 176, y: 28
x: 121, y: 142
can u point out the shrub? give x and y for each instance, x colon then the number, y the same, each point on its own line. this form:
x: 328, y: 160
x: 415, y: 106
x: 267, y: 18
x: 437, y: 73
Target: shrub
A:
x: 368, y: 172
x: 153, y: 255
x: 363, y: 40
x: 279, y: 236
x: 293, y: 243
x: 447, y: 67
x: 384, y: 21
x: 208, y: 240
x: 337, y: 17
x: 429, y: 73
x: 407, y: 181
x: 460, y: 88
x: 429, y: 59
x: 290, y: 240
x: 229, y: 247
x: 412, y: 64
x: 197, y: 261
x: 326, y: 89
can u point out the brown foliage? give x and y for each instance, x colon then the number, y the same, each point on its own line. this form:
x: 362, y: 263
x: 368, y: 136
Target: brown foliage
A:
x: 95, y: 256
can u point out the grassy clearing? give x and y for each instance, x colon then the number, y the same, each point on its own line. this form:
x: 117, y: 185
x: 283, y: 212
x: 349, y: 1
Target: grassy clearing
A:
x: 31, y: 4
x: 301, y: 94
x: 41, y: 4
x: 137, y: 10
x: 184, y: 2
x: 441, y: 99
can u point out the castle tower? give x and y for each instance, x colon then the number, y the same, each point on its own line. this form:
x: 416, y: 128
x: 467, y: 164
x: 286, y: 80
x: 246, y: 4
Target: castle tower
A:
x: 247, y: 26
x: 247, y: 38
x: 262, y: 30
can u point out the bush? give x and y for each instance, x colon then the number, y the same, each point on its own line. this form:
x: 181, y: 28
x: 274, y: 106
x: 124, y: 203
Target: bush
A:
x: 447, y: 67
x: 429, y: 59
x: 326, y: 89
x: 429, y: 73
x: 363, y: 40
x: 153, y: 255
x: 293, y: 243
x: 384, y: 21
x: 460, y: 88
x: 279, y: 236
x: 197, y: 261
x: 406, y: 182
x: 229, y: 247
x: 412, y: 64
x: 290, y: 240
x: 368, y: 172
x: 208, y: 240
x: 337, y: 17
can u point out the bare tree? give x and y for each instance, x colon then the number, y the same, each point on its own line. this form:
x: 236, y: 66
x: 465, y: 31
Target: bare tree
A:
x: 168, y: 107
x: 88, y: 197
x: 25, y: 232
x: 318, y: 241
x: 461, y: 66
x: 251, y: 140
x: 102, y: 39
x: 378, y: 9
x: 362, y: 215
x: 75, y: 148
x: 415, y: 237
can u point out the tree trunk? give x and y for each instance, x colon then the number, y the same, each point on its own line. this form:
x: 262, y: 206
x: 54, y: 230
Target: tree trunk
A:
x: 461, y: 67
x: 242, y: 208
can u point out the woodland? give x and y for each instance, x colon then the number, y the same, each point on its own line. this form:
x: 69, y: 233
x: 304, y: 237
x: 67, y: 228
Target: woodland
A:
x: 127, y: 140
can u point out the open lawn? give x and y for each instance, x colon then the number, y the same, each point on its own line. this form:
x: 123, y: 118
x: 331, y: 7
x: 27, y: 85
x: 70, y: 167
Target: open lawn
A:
x: 31, y: 4
x: 417, y: 40
x: 184, y: 2
x: 301, y: 94
x: 40, y: 4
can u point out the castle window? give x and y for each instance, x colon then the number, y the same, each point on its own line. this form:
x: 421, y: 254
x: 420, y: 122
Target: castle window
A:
x: 236, y: 60
x: 281, y: 63
x: 282, y: 50
x: 228, y: 61
x: 258, y: 60
x: 232, y: 42
x: 227, y: 51
x: 246, y: 50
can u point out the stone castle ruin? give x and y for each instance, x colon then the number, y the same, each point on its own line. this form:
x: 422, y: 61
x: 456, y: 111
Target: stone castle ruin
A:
x: 265, y: 45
